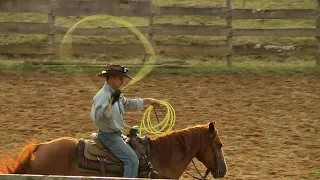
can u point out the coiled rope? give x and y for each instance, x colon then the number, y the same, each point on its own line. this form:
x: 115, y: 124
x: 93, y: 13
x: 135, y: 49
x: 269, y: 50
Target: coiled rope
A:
x: 162, y: 127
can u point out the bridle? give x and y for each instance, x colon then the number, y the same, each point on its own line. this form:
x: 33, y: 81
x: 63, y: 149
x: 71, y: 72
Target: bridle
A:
x: 214, y: 150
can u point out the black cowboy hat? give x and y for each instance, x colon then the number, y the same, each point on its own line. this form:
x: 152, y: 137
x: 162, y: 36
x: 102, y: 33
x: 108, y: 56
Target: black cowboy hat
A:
x: 114, y: 69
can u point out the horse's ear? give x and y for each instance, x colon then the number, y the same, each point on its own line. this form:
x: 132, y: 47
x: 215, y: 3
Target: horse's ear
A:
x: 211, y: 127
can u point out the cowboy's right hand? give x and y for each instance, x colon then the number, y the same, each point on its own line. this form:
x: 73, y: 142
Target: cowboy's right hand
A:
x: 115, y: 96
x: 154, y: 102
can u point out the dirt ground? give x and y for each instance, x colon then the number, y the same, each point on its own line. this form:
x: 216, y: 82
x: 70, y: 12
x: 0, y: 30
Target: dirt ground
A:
x: 269, y: 124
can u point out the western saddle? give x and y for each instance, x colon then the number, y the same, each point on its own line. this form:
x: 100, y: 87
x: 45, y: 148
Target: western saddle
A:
x: 95, y: 150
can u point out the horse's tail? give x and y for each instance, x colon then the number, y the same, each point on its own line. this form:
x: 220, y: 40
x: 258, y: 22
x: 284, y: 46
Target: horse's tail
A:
x: 21, y: 163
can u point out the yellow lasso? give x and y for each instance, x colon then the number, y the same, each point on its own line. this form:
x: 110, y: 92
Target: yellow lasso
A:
x: 165, y: 125
x: 169, y: 120
x: 66, y: 44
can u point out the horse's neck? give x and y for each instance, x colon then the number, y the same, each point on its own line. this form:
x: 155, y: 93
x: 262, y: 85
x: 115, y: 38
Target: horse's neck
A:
x: 172, y: 155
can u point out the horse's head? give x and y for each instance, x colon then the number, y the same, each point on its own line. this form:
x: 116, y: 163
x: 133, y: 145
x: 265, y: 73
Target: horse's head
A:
x: 212, y: 154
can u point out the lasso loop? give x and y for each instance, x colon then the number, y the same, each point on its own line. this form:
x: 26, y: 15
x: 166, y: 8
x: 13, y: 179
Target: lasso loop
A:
x: 145, y: 70
x: 169, y: 119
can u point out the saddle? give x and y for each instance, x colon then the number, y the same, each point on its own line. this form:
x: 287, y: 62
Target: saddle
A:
x: 94, y: 157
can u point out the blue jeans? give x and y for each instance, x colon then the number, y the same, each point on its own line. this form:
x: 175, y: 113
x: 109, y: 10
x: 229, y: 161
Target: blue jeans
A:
x: 115, y: 143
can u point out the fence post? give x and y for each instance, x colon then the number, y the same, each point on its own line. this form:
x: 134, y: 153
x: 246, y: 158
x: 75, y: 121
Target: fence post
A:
x: 318, y: 33
x: 230, y: 34
x: 150, y: 33
x: 51, y: 34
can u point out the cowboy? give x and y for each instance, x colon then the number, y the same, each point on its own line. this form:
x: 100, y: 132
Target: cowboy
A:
x: 107, y: 113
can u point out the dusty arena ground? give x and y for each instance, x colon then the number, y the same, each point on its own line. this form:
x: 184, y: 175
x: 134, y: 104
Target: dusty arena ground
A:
x: 269, y: 124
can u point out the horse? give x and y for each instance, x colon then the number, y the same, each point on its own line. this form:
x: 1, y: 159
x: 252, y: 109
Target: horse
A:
x: 170, y: 155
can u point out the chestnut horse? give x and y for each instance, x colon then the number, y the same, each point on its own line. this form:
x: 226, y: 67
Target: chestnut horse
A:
x: 170, y: 155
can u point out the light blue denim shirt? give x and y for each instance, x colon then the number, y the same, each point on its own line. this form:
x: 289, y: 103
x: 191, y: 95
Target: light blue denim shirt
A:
x: 112, y: 121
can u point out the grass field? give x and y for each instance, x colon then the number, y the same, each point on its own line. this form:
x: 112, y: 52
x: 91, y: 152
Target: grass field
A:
x: 292, y: 63
x: 238, y: 68
x: 205, y: 20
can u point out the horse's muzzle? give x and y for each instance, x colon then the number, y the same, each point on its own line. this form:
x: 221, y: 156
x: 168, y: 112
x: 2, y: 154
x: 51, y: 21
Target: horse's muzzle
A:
x: 218, y: 174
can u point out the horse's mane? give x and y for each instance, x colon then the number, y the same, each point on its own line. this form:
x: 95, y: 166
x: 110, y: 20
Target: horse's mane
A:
x: 187, y: 139
x: 20, y: 163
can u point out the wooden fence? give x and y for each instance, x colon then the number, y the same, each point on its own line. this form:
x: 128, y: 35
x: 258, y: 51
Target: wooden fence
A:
x: 53, y: 177
x: 145, y: 8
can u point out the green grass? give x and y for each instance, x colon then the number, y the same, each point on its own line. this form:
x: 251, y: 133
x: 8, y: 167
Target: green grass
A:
x: 191, y: 20
x: 182, y: 39
x: 23, y: 17
x: 243, y: 69
x: 239, y: 67
x: 261, y: 4
x: 315, y: 173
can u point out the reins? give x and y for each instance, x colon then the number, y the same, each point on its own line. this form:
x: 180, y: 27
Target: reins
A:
x: 207, y: 171
x: 202, y: 177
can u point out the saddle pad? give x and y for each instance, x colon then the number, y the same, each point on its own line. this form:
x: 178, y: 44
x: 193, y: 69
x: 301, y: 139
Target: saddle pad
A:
x: 92, y: 151
x: 86, y: 164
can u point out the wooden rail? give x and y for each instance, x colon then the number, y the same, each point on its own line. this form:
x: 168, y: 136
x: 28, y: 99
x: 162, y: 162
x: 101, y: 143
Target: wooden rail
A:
x: 318, y: 32
x: 77, y: 8
x: 240, y: 13
x: 168, y: 49
x: 54, y: 177
x: 157, y: 29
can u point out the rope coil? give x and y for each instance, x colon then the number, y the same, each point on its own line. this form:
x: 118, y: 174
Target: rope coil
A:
x: 164, y: 126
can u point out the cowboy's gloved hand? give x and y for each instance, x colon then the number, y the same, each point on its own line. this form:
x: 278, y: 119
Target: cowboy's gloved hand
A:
x: 115, y: 96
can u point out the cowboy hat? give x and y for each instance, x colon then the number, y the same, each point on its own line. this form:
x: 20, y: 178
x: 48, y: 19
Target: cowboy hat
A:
x: 114, y: 69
